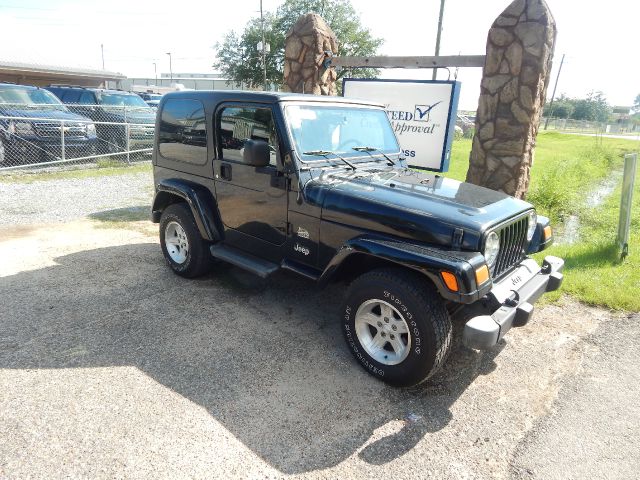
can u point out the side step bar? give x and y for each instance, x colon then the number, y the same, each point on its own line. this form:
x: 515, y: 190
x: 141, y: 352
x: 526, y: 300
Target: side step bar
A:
x: 258, y: 266
x: 301, y: 269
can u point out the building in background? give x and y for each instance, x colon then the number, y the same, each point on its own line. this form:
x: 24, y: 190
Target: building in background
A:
x: 42, y: 75
x: 181, y: 81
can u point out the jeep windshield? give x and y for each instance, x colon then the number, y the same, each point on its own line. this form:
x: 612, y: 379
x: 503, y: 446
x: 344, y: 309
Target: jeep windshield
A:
x: 333, y: 133
x: 36, y: 98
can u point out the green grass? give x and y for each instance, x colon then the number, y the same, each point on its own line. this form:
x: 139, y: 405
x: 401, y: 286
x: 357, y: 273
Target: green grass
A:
x: 101, y: 169
x: 594, y: 272
x: 566, y: 169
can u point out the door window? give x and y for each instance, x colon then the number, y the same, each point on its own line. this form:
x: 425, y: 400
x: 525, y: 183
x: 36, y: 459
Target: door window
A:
x: 238, y: 124
x: 183, y: 134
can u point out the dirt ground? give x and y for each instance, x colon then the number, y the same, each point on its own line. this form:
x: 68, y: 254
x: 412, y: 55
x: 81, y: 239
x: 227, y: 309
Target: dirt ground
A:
x: 111, y: 366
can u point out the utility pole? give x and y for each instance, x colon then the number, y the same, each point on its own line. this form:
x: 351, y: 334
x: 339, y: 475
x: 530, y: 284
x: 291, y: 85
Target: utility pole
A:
x: 155, y: 72
x: 102, y: 49
x: 553, y: 95
x: 170, y: 68
x: 264, y: 56
x: 435, y: 70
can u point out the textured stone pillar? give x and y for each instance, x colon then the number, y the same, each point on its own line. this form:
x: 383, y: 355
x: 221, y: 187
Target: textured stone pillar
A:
x: 304, y: 54
x: 512, y: 95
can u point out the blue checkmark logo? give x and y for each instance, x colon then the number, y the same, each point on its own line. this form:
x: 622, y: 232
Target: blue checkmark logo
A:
x: 423, y: 112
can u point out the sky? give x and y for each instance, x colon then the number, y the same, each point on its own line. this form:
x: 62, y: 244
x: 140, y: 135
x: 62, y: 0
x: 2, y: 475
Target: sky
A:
x: 598, y: 38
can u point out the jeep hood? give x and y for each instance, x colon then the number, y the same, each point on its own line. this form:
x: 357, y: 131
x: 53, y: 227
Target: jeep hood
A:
x: 411, y: 204
x: 138, y: 115
x: 48, y: 113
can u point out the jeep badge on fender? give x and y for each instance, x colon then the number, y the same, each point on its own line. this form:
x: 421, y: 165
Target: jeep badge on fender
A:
x: 319, y: 186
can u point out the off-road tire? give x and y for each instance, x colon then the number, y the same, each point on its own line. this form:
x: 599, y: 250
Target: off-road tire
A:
x: 423, y: 310
x: 198, y: 260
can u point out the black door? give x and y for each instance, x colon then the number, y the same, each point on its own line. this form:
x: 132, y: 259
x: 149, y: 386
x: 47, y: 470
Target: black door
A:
x: 252, y: 200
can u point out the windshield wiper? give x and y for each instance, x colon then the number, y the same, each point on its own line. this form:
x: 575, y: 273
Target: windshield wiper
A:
x: 373, y: 149
x: 325, y: 153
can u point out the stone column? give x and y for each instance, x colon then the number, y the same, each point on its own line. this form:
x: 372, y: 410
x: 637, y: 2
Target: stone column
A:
x: 304, y: 54
x: 512, y: 96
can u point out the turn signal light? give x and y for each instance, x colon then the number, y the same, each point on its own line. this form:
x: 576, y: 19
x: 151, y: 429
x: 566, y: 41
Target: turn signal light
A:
x: 546, y: 233
x: 482, y: 274
x: 450, y: 281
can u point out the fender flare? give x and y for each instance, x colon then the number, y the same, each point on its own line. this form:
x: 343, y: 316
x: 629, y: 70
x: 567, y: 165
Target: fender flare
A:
x: 202, y: 204
x: 427, y: 260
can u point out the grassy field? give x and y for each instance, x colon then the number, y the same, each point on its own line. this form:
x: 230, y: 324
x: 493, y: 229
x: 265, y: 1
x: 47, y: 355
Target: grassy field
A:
x: 566, y: 169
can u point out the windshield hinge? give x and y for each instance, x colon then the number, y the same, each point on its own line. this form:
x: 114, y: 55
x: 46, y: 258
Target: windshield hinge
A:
x: 456, y: 241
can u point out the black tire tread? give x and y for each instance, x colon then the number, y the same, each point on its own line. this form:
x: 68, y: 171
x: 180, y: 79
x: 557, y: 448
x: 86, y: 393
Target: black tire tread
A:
x: 424, y: 292
x: 200, y: 258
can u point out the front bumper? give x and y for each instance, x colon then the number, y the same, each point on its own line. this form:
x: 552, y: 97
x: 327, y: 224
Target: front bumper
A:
x: 510, y: 302
x: 35, y: 149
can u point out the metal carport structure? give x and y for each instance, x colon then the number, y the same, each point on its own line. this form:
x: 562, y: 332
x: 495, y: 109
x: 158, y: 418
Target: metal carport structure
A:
x: 42, y: 75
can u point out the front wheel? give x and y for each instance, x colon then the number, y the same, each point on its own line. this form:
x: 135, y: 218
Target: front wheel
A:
x: 184, y: 249
x: 396, y: 326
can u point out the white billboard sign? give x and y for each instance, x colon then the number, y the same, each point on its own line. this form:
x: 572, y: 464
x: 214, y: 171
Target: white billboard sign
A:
x: 422, y: 112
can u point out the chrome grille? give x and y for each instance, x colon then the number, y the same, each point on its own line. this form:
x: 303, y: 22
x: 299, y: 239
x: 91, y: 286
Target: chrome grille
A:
x: 52, y: 129
x: 513, y: 237
x: 142, y: 131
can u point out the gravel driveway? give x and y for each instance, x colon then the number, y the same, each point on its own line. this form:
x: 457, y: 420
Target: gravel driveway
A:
x: 62, y: 200
x: 111, y: 366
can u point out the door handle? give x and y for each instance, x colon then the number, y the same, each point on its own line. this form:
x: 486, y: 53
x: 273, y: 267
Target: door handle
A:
x: 225, y: 171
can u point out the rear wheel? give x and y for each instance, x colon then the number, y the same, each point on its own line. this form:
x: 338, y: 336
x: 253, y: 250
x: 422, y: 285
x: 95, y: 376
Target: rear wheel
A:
x: 396, y: 326
x: 184, y: 249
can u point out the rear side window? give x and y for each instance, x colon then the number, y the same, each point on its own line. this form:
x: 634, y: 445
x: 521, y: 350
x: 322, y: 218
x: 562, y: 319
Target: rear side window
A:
x: 183, y: 133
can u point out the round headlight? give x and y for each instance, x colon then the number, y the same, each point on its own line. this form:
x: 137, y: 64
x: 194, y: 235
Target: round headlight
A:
x: 533, y: 222
x: 491, y: 248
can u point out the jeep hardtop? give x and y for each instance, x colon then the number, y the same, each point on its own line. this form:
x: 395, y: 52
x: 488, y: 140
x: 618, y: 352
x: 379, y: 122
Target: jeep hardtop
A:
x: 318, y: 186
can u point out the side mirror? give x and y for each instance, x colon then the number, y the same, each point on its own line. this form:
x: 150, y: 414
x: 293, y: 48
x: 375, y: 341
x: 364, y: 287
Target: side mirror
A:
x: 256, y: 153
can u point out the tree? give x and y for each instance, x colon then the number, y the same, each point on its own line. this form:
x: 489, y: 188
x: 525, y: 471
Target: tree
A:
x: 562, y: 107
x: 594, y: 107
x: 239, y: 59
x: 636, y: 104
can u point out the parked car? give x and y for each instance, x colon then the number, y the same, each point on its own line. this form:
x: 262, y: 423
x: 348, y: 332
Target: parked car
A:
x: 318, y: 186
x: 33, y: 123
x: 112, y: 110
x: 151, y: 99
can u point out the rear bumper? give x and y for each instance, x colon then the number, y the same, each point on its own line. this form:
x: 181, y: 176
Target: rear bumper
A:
x: 510, y: 302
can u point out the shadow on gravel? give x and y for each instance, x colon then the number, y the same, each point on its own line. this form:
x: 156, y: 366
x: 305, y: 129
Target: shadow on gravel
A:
x: 128, y: 214
x: 266, y: 359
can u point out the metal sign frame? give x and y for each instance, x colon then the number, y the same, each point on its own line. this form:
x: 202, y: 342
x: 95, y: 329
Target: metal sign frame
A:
x: 626, y: 201
x: 449, y: 133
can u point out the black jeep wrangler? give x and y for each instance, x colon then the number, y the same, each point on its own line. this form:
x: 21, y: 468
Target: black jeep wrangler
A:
x: 317, y: 185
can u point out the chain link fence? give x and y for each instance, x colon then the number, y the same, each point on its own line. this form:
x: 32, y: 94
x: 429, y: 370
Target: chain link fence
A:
x: 592, y: 127
x: 47, y: 134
